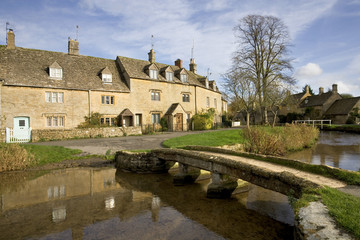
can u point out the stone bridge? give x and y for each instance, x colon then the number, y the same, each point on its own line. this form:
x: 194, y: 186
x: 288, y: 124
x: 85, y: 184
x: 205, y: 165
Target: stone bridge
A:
x: 225, y: 170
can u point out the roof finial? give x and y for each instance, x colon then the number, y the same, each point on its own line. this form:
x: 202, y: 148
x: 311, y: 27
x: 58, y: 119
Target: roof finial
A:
x: 152, y: 41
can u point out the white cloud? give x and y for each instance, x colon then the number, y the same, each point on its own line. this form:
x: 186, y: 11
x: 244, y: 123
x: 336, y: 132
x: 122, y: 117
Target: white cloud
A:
x: 310, y: 70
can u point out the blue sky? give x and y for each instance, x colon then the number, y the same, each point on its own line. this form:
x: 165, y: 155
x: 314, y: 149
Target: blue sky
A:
x: 325, y: 33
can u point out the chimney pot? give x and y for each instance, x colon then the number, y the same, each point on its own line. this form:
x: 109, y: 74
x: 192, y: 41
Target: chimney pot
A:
x: 151, y: 56
x: 178, y: 63
x: 10, y: 39
x: 192, y: 65
x: 73, y: 47
x: 334, y: 88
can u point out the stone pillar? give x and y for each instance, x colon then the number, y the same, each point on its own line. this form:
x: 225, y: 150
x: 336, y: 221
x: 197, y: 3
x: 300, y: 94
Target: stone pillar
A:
x: 186, y: 175
x: 221, y: 186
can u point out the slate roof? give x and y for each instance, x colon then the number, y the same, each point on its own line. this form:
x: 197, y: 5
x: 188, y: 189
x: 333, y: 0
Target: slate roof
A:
x: 342, y: 106
x: 316, y: 100
x: 30, y: 67
x: 136, y: 69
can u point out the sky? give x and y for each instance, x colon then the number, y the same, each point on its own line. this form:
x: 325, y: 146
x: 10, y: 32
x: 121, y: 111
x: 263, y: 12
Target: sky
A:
x: 325, y: 34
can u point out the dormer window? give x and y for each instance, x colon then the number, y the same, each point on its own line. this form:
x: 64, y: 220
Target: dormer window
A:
x: 107, y: 78
x: 55, y: 71
x: 153, y: 73
x: 207, y: 84
x: 106, y: 75
x: 169, y: 76
x: 183, y: 78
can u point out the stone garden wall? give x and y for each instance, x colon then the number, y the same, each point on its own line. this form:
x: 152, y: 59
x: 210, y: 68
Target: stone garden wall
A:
x: 59, y: 134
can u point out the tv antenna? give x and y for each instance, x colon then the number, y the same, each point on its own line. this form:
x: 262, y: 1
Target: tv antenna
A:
x: 7, y: 29
x: 77, y: 33
x: 192, y: 50
x: 208, y: 73
x: 152, y: 41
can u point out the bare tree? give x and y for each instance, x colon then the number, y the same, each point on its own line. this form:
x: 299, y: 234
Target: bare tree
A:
x: 263, y: 43
x: 242, y: 91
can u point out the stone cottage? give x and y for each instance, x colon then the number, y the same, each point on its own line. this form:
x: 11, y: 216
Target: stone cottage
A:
x: 341, y: 110
x: 55, y: 90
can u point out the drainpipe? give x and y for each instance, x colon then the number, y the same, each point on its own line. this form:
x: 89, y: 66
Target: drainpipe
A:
x: 89, y: 96
x: 195, y: 102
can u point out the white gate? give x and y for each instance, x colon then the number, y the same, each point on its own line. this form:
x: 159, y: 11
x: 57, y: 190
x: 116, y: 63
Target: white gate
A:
x: 21, y: 132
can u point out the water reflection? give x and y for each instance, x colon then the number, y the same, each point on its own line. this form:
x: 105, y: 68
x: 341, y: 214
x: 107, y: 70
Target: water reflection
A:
x: 104, y: 204
x: 336, y: 149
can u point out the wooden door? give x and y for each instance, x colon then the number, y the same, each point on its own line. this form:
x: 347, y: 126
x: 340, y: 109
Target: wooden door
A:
x: 179, y: 122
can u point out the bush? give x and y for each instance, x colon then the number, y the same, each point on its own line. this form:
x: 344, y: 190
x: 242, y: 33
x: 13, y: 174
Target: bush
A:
x: 279, y: 140
x: 94, y: 121
x: 14, y: 157
x: 164, y: 124
x: 204, y: 120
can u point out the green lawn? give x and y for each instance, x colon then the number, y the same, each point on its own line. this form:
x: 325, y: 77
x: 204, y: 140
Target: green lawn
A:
x: 50, y: 154
x: 214, y: 139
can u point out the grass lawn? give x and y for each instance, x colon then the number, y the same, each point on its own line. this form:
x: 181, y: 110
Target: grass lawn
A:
x: 50, y: 154
x: 214, y: 139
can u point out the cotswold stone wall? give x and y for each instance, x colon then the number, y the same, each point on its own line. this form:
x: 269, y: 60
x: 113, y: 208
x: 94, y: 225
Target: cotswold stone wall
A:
x: 58, y: 134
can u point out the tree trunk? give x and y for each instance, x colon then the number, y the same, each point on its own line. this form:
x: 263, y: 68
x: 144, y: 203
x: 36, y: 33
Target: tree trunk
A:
x: 274, y: 120
x: 248, y: 119
x: 266, y: 120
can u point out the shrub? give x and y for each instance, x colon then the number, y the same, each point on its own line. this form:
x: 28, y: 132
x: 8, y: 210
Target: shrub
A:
x: 204, y: 120
x: 94, y: 121
x: 14, y: 157
x: 164, y: 124
x: 279, y: 140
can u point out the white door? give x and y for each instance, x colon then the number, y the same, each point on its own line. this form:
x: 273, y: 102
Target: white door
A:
x: 21, y: 127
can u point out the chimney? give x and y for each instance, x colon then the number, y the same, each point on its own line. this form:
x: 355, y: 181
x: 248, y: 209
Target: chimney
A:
x: 151, y: 56
x: 334, y: 88
x: 321, y: 90
x: 307, y: 89
x: 192, y: 65
x: 73, y: 47
x: 178, y: 63
x: 10, y: 39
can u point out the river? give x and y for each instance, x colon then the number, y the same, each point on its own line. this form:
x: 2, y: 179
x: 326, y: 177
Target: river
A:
x: 102, y: 203
x: 336, y: 149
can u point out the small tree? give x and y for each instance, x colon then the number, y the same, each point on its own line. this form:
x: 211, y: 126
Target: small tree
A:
x: 94, y: 120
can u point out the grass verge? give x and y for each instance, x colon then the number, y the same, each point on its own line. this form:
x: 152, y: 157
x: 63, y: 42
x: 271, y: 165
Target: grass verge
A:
x: 215, y: 138
x: 50, y: 154
x: 344, y: 208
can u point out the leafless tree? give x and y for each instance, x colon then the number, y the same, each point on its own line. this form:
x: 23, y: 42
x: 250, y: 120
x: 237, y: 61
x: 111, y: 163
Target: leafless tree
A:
x: 242, y: 91
x: 263, y: 43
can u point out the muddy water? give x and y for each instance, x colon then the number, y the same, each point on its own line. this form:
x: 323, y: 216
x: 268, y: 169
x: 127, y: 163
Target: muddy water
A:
x: 336, y: 149
x: 83, y: 203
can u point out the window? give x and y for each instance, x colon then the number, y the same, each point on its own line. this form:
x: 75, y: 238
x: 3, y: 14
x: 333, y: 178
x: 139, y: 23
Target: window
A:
x: 137, y: 119
x: 207, y: 102
x: 55, y: 121
x: 215, y: 103
x: 153, y: 73
x: 54, y: 97
x: 186, y: 97
x: 107, y: 99
x: 106, y: 78
x: 108, y: 121
x: 155, y: 96
x: 56, y: 73
x: 207, y: 84
x: 156, y: 118
x: 169, y: 76
x: 183, y: 78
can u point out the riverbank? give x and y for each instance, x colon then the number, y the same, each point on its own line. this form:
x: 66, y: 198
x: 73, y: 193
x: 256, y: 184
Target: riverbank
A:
x: 342, y: 128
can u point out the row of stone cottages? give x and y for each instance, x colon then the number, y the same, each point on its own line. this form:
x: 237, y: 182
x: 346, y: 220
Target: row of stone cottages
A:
x: 45, y: 90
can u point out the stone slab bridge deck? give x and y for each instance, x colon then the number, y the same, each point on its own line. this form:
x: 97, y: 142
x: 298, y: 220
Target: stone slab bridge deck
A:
x: 286, y: 180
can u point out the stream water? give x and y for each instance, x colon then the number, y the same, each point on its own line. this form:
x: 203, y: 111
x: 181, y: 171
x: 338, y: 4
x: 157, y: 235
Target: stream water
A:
x: 88, y: 203
x: 336, y: 149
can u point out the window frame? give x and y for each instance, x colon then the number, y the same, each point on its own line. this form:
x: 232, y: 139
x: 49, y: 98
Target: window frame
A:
x: 106, y: 78
x: 208, y: 102
x: 186, y: 97
x: 55, y: 121
x: 56, y: 73
x: 183, y: 77
x: 153, y: 73
x: 169, y: 76
x: 155, y: 96
x: 155, y: 118
x: 107, y: 99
